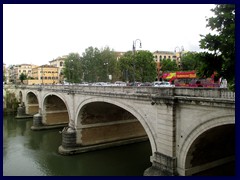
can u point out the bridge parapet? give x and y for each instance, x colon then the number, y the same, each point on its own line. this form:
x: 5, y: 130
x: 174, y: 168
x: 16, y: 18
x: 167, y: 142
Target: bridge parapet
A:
x: 205, y: 92
x: 143, y: 91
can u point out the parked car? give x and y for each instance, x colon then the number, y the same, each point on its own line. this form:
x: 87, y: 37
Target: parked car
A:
x: 163, y: 84
x: 134, y: 84
x: 120, y: 83
x: 146, y: 84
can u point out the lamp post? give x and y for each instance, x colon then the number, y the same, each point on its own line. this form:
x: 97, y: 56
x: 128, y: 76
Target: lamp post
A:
x: 134, y: 49
x: 70, y: 68
x: 106, y: 64
x: 180, y: 50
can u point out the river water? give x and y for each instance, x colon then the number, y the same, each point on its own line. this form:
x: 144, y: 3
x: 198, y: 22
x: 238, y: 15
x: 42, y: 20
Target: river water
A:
x: 35, y: 153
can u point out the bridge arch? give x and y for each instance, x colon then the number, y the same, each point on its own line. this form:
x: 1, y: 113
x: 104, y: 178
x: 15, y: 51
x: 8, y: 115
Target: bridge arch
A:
x: 31, y: 103
x: 55, y: 109
x: 211, y: 125
x: 143, y: 121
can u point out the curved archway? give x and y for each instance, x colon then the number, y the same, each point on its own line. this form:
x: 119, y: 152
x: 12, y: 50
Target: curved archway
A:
x: 32, y: 104
x: 210, y: 145
x: 129, y: 109
x: 54, y: 110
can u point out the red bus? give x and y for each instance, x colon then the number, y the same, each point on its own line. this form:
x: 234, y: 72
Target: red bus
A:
x: 189, y: 79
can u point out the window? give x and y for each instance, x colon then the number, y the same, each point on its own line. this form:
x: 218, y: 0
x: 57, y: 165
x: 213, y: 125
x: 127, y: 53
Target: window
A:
x: 61, y: 63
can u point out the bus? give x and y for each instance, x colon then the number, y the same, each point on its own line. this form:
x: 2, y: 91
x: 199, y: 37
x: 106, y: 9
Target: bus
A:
x: 189, y: 79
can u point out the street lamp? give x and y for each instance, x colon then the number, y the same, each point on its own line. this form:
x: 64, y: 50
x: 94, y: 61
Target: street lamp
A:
x: 134, y: 49
x: 180, y: 50
x: 106, y: 64
x: 70, y: 68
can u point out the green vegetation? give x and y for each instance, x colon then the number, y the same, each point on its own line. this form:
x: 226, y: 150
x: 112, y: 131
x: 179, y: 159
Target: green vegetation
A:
x: 221, y: 43
x: 22, y: 77
x: 169, y: 65
x: 11, y: 102
x: 140, y: 66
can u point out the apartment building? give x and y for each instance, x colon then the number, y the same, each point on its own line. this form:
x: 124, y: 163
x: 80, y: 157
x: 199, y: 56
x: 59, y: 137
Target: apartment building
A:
x: 59, y: 63
x: 45, y: 74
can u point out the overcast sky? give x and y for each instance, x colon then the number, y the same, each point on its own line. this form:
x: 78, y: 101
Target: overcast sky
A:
x: 37, y: 34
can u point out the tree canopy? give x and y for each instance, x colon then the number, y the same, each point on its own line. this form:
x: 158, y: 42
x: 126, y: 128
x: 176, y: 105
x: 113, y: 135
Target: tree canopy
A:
x: 169, y: 65
x: 221, y: 42
x: 139, y: 66
x: 72, y: 69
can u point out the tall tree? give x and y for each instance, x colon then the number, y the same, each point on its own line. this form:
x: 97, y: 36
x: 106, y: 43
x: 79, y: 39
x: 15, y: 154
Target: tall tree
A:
x: 99, y: 64
x: 190, y: 61
x: 221, y: 43
x: 73, y: 70
x: 145, y: 66
x: 125, y: 64
x: 107, y: 65
x: 89, y: 59
x: 140, y: 66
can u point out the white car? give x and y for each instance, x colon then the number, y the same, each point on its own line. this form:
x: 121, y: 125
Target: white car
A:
x: 164, y: 84
x: 120, y: 83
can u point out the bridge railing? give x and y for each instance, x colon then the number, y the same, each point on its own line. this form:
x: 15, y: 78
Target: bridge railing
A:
x: 205, y: 92
x: 143, y: 91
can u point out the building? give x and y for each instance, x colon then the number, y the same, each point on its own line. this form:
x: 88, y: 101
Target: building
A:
x: 59, y: 63
x: 14, y: 72
x: 161, y: 55
x: 25, y: 69
x: 45, y: 74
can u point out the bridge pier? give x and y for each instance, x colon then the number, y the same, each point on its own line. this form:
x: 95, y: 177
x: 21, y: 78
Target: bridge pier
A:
x: 70, y: 144
x: 21, y: 112
x: 162, y: 165
x: 37, y: 120
x: 39, y: 125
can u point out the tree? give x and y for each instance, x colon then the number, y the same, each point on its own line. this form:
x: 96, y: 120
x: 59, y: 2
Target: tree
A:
x: 22, y: 77
x: 145, y: 66
x: 208, y: 64
x: 190, y: 61
x: 72, y: 69
x: 99, y: 64
x: 125, y: 64
x: 107, y: 65
x: 222, y: 42
x: 168, y: 65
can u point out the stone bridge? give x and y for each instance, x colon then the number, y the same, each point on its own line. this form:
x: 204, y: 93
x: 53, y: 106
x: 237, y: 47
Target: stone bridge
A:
x: 190, y: 129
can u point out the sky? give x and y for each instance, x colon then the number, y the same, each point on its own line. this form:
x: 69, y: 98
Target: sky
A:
x: 39, y: 33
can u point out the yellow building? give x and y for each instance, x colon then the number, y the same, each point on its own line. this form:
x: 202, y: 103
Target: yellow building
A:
x: 45, y: 74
